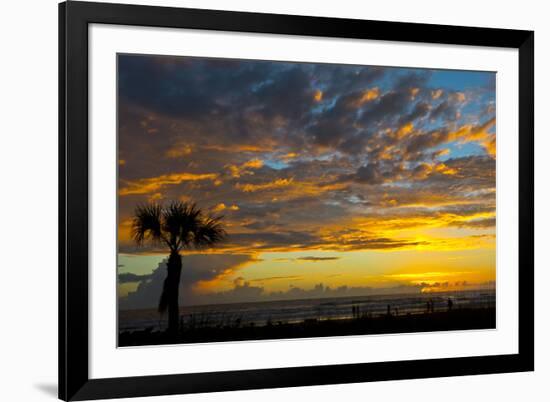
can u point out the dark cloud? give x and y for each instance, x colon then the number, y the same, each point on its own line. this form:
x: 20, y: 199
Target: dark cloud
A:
x: 197, y: 267
x: 335, y: 127
x: 288, y: 94
x: 368, y: 174
x: 276, y: 278
x: 414, y: 79
x: 129, y: 277
x: 185, y: 87
x: 377, y: 243
x: 394, y: 104
x: 446, y: 110
x: 420, y: 110
x: 274, y: 240
x: 344, y: 79
x: 386, y: 109
x: 315, y: 259
x: 427, y: 140
x: 475, y: 223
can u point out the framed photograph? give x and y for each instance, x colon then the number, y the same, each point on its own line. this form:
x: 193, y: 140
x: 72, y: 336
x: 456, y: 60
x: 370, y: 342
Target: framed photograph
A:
x: 255, y: 200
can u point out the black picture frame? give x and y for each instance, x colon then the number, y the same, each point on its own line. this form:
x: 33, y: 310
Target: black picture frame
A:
x: 74, y: 381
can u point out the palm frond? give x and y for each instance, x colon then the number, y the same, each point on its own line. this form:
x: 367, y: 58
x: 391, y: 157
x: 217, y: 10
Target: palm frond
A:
x: 180, y: 220
x: 147, y: 223
x: 179, y: 225
x: 209, y: 232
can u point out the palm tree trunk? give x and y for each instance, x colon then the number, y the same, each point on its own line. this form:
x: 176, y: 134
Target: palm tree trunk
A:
x: 170, y: 292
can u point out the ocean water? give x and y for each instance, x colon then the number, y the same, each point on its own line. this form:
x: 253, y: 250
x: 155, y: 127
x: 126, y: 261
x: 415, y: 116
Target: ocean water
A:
x: 292, y: 311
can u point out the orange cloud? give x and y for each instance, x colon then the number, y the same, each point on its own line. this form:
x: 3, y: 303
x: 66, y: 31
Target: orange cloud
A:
x: 367, y: 96
x: 222, y: 207
x: 458, y: 96
x: 155, y: 197
x: 490, y: 145
x: 179, y: 151
x: 388, y: 224
x: 426, y: 276
x: 370, y: 94
x: 237, y: 171
x: 253, y: 164
x: 239, y: 148
x: 318, y: 96
x: 184, y: 149
x: 125, y: 230
x: 153, y: 184
x: 288, y: 188
x: 290, y: 155
x: 437, y: 94
x: 444, y: 169
x: 250, y: 188
x: 441, y: 152
x: 404, y: 130
x: 479, y: 133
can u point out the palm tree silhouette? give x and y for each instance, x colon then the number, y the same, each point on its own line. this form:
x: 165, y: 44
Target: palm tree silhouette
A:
x: 179, y: 226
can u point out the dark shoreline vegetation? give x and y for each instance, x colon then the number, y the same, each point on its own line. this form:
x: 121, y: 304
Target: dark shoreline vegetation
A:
x: 457, y: 319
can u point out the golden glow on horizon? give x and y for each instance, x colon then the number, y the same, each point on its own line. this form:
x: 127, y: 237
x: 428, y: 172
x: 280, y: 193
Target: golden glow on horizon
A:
x: 278, y: 271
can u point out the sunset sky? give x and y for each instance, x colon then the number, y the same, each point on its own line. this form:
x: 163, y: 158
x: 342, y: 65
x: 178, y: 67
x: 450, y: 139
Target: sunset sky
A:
x: 334, y: 180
